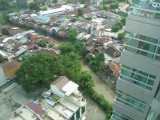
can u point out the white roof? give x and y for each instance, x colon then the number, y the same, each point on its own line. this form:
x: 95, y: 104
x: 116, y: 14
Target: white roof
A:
x: 6, y: 39
x: 52, y: 11
x: 69, y: 88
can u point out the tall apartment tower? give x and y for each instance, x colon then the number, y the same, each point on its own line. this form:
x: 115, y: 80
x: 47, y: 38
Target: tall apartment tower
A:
x: 138, y: 88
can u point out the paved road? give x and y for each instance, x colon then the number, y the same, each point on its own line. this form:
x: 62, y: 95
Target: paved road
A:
x: 93, y: 112
x: 100, y: 86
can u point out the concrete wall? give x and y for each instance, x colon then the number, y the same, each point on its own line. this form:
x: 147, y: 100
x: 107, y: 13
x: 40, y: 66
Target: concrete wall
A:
x: 2, y: 77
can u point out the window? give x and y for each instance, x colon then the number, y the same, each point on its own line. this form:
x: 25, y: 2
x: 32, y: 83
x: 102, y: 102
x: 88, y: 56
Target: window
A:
x: 143, y: 45
x: 130, y: 101
x: 137, y: 77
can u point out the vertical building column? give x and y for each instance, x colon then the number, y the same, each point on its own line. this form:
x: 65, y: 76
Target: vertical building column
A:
x: 75, y: 116
x: 80, y: 112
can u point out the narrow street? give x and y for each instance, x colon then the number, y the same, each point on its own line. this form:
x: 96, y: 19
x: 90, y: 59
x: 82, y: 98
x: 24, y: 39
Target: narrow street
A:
x: 100, y: 86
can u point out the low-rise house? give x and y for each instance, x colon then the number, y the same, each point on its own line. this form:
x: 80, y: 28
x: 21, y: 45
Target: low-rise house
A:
x: 7, y: 72
x: 42, y: 19
x: 113, y: 52
x: 62, y: 102
x: 115, y: 68
x: 30, y: 111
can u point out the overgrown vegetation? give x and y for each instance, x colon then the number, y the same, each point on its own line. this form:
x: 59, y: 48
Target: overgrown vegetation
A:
x: 5, y: 31
x: 89, y: 18
x: 51, y: 44
x: 119, y: 25
x: 34, y: 6
x: 1, y: 58
x: 121, y: 37
x: 100, y: 101
x: 42, y: 43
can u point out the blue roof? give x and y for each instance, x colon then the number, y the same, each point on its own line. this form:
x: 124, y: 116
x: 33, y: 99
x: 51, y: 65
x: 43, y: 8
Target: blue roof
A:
x: 61, y: 19
x: 42, y: 17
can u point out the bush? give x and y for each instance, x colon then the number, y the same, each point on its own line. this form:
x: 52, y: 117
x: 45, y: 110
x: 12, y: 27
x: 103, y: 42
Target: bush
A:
x: 101, y: 101
x: 121, y: 36
x: 42, y: 43
x: 45, y: 8
x: 89, y: 18
x: 1, y: 58
x: 73, y: 20
x: 50, y: 45
x: 5, y: 31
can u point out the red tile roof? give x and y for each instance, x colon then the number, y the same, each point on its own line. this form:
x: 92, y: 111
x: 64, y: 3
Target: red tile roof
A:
x: 115, y: 67
x: 10, y: 68
x: 35, y: 107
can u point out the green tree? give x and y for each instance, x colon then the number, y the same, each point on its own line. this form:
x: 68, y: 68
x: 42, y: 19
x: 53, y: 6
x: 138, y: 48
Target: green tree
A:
x: 37, y: 71
x: 5, y: 17
x: 80, y: 12
x: 83, y: 1
x: 114, y: 5
x: 71, y: 66
x: 105, y: 7
x: 72, y: 35
x: 73, y: 20
x: 86, y: 81
x: 1, y: 58
x: 88, y: 57
x: 5, y: 31
x: 67, y: 48
x: 45, y: 8
x: 55, y: 1
x: 34, y: 6
x: 42, y: 43
x: 4, y: 5
x: 123, y: 20
x: 51, y: 44
x: 89, y: 18
x: 121, y: 36
x: 115, y: 28
x: 97, y: 64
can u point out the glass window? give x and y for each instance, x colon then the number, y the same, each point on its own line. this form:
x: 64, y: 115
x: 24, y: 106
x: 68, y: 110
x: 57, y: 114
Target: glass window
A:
x: 138, y: 83
x: 142, y: 106
x: 130, y: 49
x: 146, y: 46
x: 131, y: 42
x: 145, y: 53
x: 127, y: 67
x: 158, y: 50
x: 124, y: 78
x: 150, y: 82
x: 140, y: 78
x: 140, y: 72
x: 125, y: 72
x: 149, y: 88
x: 132, y: 35
x: 157, y: 57
x: 152, y: 76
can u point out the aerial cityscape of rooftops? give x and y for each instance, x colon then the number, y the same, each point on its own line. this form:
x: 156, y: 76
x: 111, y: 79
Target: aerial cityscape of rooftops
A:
x: 79, y: 59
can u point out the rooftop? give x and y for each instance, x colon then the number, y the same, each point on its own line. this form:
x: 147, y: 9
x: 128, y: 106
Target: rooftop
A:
x: 42, y: 17
x: 10, y: 68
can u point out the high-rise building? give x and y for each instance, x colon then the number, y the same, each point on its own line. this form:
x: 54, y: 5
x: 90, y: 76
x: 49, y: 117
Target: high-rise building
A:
x: 138, y: 88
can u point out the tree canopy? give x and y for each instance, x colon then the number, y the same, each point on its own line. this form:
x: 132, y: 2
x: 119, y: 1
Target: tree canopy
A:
x: 1, y: 58
x: 34, y: 6
x: 72, y: 35
x: 42, y: 43
x: 37, y: 71
x: 80, y: 12
x: 121, y: 36
x: 5, y: 31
